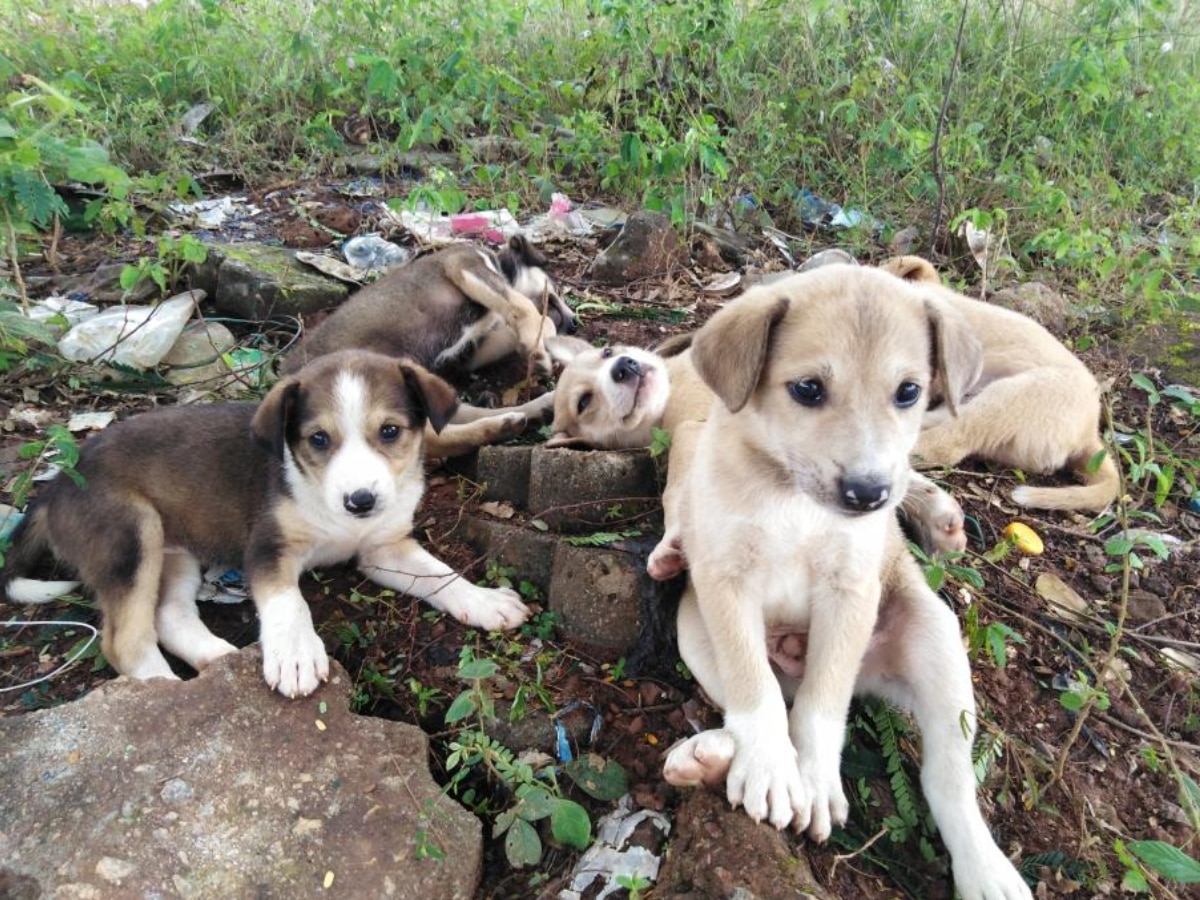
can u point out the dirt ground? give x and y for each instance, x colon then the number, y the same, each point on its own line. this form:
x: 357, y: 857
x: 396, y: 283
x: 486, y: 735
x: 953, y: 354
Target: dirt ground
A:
x: 1061, y: 792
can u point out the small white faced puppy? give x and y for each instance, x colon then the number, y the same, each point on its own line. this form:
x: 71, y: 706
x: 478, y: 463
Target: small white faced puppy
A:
x: 327, y: 467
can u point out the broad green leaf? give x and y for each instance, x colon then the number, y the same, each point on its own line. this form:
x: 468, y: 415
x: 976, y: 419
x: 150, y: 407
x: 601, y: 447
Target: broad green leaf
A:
x: 598, y: 777
x: 463, y: 706
x: 535, y: 802
x: 474, y: 669
x: 1168, y: 861
x: 522, y: 845
x: 570, y: 824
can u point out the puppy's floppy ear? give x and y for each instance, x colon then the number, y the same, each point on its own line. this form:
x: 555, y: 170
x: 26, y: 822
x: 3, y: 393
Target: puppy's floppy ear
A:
x: 957, y: 351
x: 270, y: 423
x: 523, y: 250
x: 437, y: 399
x: 912, y: 268
x: 731, y: 348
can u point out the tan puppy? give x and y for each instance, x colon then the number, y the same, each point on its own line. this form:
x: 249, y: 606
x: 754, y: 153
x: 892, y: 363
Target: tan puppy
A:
x: 613, y: 397
x: 454, y: 311
x: 1033, y: 405
x: 328, y: 467
x: 787, y: 517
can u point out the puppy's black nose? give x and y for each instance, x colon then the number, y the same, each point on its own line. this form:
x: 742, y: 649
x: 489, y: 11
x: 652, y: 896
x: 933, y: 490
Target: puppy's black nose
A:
x: 360, y: 502
x: 624, y: 368
x: 863, y: 494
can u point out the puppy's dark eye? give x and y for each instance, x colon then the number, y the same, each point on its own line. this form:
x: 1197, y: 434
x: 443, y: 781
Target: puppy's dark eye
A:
x: 389, y: 433
x: 809, y: 392
x: 319, y: 440
x: 907, y: 394
x: 607, y: 352
x: 585, y: 400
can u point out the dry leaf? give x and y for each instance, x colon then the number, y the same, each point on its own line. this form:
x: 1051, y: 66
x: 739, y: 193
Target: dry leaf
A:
x: 501, y: 510
x: 1064, y: 601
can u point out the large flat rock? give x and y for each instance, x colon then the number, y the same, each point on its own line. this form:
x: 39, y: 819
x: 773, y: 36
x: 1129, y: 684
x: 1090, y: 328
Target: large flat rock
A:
x: 258, y: 282
x: 219, y: 787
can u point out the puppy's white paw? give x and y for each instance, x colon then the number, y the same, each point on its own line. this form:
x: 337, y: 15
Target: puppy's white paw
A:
x: 491, y: 609
x: 667, y: 559
x: 988, y: 875
x: 825, y: 803
x: 703, y: 758
x: 212, y: 650
x: 294, y: 659
x: 1020, y: 495
x: 765, y: 779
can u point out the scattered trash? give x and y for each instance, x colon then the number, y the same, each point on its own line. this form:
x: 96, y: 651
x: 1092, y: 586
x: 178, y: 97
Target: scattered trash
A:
x: 214, y: 213
x: 501, y: 509
x: 52, y: 311
x: 817, y: 212
x: 195, y: 356
x: 90, y: 421
x: 370, y: 252
x: 10, y: 518
x: 223, y: 585
x: 194, y: 118
x: 1064, y: 601
x: 563, y: 743
x: 561, y: 221
x: 1193, y: 503
x: 361, y: 188
x: 723, y: 284
x: 331, y: 266
x: 604, y: 216
x: 493, y: 225
x: 1024, y: 538
x: 1181, y: 659
x: 987, y: 249
x: 136, y: 336
x: 830, y: 257
x: 616, y: 857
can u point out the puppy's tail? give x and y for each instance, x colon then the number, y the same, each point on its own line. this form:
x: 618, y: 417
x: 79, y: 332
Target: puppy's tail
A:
x: 30, y: 542
x: 1101, y: 484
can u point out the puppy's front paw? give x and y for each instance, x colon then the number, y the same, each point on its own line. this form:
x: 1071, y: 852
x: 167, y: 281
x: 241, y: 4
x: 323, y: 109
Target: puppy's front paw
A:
x: 294, y: 660
x: 492, y: 609
x: 988, y: 875
x: 667, y: 559
x: 824, y: 803
x: 765, y: 779
x: 703, y: 758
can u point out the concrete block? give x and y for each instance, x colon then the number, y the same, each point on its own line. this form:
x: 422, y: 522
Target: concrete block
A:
x: 573, y: 490
x: 597, y: 594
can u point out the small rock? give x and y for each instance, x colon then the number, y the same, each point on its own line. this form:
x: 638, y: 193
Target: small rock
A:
x: 256, y: 282
x: 647, y: 245
x: 1146, y: 607
x: 177, y: 791
x: 1040, y: 302
x: 904, y: 241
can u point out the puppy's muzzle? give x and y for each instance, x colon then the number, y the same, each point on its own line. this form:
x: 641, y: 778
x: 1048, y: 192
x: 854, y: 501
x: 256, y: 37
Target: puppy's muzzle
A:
x: 625, y: 369
x: 360, y: 503
x: 862, y: 495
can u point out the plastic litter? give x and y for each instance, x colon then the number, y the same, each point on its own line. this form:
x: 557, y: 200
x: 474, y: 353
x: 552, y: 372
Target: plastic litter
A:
x: 1024, y: 538
x: 370, y: 252
x: 224, y: 585
x: 90, y: 421
x: 563, y: 220
x: 216, y: 212
x: 614, y: 857
x: 53, y: 310
x: 562, y: 741
x: 817, y: 212
x: 493, y: 225
x: 136, y: 336
x: 10, y: 518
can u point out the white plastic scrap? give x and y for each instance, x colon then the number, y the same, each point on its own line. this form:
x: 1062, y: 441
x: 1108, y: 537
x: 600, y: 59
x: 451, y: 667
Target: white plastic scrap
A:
x: 609, y: 859
x: 57, y: 308
x: 137, y: 336
x: 214, y: 213
x: 90, y: 421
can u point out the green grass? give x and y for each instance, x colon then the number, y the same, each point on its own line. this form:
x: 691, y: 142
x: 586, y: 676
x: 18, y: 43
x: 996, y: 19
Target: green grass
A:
x: 1064, y: 125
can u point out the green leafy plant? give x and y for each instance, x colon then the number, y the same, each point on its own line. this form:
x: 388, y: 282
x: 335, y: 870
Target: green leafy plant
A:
x: 174, y: 256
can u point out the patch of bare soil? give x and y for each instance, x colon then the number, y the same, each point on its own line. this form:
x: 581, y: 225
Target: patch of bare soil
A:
x: 1060, y: 789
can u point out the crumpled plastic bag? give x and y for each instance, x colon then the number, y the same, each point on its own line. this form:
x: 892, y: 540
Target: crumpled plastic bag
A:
x: 136, y: 336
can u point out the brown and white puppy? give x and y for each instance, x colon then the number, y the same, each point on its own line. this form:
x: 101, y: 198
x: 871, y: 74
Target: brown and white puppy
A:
x: 614, y: 397
x: 788, y: 518
x: 1033, y: 405
x: 327, y: 467
x: 454, y: 311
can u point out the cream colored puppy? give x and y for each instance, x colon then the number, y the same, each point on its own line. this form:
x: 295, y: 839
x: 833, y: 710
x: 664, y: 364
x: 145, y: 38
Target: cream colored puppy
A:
x: 614, y: 397
x: 788, y: 518
x: 1033, y: 405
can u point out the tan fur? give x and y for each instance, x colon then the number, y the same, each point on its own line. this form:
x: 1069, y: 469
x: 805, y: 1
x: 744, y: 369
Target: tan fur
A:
x: 1033, y: 405
x: 787, y: 517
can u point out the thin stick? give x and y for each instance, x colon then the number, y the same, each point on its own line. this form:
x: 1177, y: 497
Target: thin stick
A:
x: 937, y: 134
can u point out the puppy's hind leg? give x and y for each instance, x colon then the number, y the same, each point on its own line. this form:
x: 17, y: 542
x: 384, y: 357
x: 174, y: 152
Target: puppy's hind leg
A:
x: 917, y: 661
x: 126, y: 581
x: 178, y: 621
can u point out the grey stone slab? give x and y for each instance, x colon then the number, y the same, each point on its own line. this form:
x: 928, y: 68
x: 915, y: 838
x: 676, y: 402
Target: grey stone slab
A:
x: 258, y: 282
x: 575, y: 490
x: 219, y: 787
